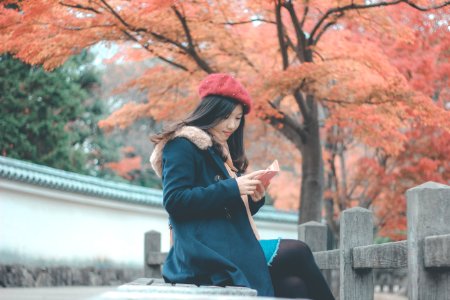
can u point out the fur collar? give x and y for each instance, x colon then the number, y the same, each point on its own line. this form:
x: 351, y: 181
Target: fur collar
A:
x: 196, y: 135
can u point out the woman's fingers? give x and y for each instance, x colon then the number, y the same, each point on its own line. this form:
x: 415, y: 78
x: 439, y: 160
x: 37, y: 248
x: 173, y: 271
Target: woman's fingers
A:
x: 247, y: 185
x: 254, y: 182
x: 261, y: 186
x: 256, y: 173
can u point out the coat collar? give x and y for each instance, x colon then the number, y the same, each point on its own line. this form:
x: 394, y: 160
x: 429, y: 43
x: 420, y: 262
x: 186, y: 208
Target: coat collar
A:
x: 220, y: 163
x: 198, y: 137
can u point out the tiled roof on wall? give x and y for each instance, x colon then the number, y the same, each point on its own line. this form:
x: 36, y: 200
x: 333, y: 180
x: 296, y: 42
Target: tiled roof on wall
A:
x: 26, y: 172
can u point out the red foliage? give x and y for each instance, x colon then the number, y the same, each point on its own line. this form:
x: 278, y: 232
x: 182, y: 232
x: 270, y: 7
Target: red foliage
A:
x: 127, y: 164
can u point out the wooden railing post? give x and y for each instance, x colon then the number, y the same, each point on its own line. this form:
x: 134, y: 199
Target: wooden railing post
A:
x: 356, y: 230
x: 314, y: 234
x: 428, y: 212
x: 152, y: 244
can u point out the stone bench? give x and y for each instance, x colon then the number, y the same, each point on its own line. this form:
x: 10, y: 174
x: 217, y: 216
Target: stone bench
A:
x: 156, y: 288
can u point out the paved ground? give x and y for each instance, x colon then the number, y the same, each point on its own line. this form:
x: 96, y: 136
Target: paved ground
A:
x: 53, y: 293
x: 86, y: 293
x: 383, y: 296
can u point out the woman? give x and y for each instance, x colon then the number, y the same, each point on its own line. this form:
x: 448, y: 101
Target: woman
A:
x: 210, y: 203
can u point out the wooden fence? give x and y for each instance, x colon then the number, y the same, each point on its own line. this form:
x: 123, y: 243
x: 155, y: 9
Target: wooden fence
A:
x: 426, y: 252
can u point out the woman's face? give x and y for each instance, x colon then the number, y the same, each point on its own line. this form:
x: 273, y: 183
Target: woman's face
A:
x: 226, y: 127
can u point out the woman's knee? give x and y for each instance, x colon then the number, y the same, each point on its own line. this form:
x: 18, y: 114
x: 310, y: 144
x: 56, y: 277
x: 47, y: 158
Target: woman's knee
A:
x: 290, y: 287
x: 298, y: 248
x: 292, y: 256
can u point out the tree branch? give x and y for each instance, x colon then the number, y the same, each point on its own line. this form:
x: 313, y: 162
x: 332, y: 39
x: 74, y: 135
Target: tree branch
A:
x: 77, y: 28
x: 291, y: 129
x: 146, y: 47
x: 190, y: 50
x: 427, y: 8
x: 191, y: 47
x: 168, y: 40
x: 301, y: 39
x: 305, y: 13
x: 312, y: 106
x: 121, y: 20
x: 247, y: 22
x: 81, y: 7
x: 186, y: 30
x: 301, y: 102
x: 329, y: 24
x: 343, y: 102
x: 280, y: 34
x: 354, y: 6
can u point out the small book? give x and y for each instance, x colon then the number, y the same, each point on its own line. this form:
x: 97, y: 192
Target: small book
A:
x: 270, y: 172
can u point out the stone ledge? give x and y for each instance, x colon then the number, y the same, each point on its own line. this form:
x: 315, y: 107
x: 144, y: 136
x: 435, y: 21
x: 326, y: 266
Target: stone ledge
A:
x: 158, y: 286
x: 23, y: 276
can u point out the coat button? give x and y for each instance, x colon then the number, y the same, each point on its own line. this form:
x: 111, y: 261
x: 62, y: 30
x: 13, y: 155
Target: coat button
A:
x: 217, y: 178
x: 227, y: 213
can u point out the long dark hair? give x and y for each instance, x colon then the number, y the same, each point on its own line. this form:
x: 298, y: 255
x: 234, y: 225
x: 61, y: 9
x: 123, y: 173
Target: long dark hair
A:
x: 210, y: 112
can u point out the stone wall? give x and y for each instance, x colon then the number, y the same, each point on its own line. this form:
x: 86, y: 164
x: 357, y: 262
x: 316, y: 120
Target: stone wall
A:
x: 23, y: 276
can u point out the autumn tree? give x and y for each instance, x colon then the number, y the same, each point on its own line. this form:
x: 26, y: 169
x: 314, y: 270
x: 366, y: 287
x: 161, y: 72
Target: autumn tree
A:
x: 374, y: 178
x: 300, y: 60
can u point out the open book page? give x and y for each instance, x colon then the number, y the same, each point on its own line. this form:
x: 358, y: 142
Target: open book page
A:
x: 270, y: 172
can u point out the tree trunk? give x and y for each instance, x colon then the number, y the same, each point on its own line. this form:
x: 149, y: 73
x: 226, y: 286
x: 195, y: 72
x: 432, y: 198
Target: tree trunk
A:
x: 312, y: 175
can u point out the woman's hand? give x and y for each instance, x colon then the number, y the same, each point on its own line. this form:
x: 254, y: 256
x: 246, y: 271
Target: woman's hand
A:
x: 259, y: 192
x: 248, y: 184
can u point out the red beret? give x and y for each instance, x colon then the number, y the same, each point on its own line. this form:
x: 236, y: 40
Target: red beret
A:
x: 225, y: 85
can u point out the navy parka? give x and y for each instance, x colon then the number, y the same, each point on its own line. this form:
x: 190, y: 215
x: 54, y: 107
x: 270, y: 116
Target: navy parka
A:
x: 213, y: 240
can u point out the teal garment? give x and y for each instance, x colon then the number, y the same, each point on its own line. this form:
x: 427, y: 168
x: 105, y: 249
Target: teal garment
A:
x: 270, y: 249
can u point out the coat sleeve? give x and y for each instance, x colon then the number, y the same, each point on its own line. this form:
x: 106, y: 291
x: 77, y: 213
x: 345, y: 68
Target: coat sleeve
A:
x: 181, y: 197
x: 255, y: 206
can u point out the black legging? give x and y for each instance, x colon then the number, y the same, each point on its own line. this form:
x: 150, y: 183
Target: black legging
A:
x: 295, y: 273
